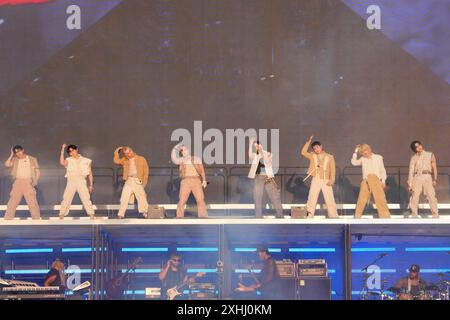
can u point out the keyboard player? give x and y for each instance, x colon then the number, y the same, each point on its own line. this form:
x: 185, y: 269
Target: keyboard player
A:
x: 55, y: 276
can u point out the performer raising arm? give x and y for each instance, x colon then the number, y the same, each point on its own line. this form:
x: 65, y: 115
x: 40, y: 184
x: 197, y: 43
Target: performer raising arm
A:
x: 25, y: 174
x: 193, y: 179
x: 135, y: 174
x: 262, y: 172
x: 322, y: 168
x: 374, y: 180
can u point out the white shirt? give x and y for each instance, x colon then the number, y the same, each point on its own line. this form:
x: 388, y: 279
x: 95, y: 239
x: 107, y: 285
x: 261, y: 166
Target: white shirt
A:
x: 24, y: 169
x: 267, y: 163
x: 80, y: 167
x: 373, y: 165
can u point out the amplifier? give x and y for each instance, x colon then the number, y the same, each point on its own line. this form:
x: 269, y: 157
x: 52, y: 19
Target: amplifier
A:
x: 202, y: 286
x: 299, y: 213
x: 202, y: 291
x: 312, y: 267
x: 153, y: 293
x: 155, y: 212
x: 286, y: 268
x: 311, y: 261
x: 313, y: 272
x: 314, y: 288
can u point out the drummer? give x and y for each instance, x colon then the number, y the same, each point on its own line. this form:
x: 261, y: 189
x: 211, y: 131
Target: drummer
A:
x: 412, y: 285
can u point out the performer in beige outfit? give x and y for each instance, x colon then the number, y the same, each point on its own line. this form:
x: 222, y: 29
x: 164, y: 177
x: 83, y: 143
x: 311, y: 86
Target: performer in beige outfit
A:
x: 77, y: 169
x: 25, y: 175
x: 374, y: 181
x: 422, y: 178
x: 322, y: 168
x: 135, y: 174
x: 193, y: 179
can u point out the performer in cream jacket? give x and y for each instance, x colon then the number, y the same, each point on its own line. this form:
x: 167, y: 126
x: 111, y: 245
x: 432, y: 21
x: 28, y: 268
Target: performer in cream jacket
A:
x: 322, y: 169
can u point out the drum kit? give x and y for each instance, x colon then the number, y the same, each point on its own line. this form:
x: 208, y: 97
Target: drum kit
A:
x: 439, y: 291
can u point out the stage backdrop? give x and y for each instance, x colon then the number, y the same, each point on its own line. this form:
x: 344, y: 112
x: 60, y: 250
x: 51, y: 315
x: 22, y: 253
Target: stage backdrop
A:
x: 137, y: 70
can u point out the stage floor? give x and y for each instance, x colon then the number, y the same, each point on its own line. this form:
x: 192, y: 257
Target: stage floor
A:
x: 365, y: 220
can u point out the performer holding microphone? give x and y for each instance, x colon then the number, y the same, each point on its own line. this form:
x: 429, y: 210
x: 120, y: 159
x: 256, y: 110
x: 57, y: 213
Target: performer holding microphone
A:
x: 262, y: 172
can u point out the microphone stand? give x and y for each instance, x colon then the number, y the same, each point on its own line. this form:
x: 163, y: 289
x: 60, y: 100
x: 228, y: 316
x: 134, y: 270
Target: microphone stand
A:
x: 364, y: 291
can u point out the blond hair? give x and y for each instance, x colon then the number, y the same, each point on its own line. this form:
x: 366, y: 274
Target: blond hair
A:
x: 364, y: 147
x: 58, y: 264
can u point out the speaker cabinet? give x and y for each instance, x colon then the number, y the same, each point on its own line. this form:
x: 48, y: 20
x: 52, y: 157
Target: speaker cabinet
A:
x: 314, y: 288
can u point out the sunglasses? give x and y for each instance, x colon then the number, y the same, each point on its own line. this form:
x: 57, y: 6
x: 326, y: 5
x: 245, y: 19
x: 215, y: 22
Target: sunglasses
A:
x: 176, y: 260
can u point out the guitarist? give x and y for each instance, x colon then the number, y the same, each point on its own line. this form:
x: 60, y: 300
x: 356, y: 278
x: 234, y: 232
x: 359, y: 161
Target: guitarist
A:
x: 269, y: 280
x: 172, y: 274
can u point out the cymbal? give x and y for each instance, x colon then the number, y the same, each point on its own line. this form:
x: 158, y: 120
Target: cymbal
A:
x: 373, y: 293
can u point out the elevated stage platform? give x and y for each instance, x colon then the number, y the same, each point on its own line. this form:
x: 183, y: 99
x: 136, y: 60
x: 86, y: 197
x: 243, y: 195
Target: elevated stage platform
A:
x: 28, y: 247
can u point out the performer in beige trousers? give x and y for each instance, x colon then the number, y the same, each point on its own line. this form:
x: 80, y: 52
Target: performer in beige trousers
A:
x: 374, y: 181
x: 25, y: 174
x: 135, y: 174
x: 193, y: 179
x: 422, y: 178
x: 77, y: 169
x: 322, y: 168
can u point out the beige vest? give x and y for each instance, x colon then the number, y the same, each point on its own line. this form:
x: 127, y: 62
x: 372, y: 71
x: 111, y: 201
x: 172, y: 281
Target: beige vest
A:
x: 33, y: 166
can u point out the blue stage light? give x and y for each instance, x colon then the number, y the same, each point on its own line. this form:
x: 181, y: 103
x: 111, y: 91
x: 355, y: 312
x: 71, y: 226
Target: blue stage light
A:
x: 36, y: 250
x: 77, y: 249
x: 390, y: 249
x: 143, y: 270
x: 193, y: 249
x: 246, y: 271
x: 433, y: 270
x: 254, y: 249
x: 427, y: 249
x: 312, y: 249
x: 201, y: 270
x: 42, y: 271
x: 381, y: 270
x: 151, y: 249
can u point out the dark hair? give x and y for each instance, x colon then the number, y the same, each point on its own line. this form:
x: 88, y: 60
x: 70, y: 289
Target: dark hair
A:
x: 262, y: 249
x: 17, y: 148
x: 413, y: 145
x: 414, y: 268
x: 71, y: 147
x: 315, y: 143
x: 174, y: 254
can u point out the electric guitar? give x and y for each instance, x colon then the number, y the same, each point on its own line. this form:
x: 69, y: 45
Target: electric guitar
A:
x: 244, y: 288
x: 114, y: 287
x: 174, y: 292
